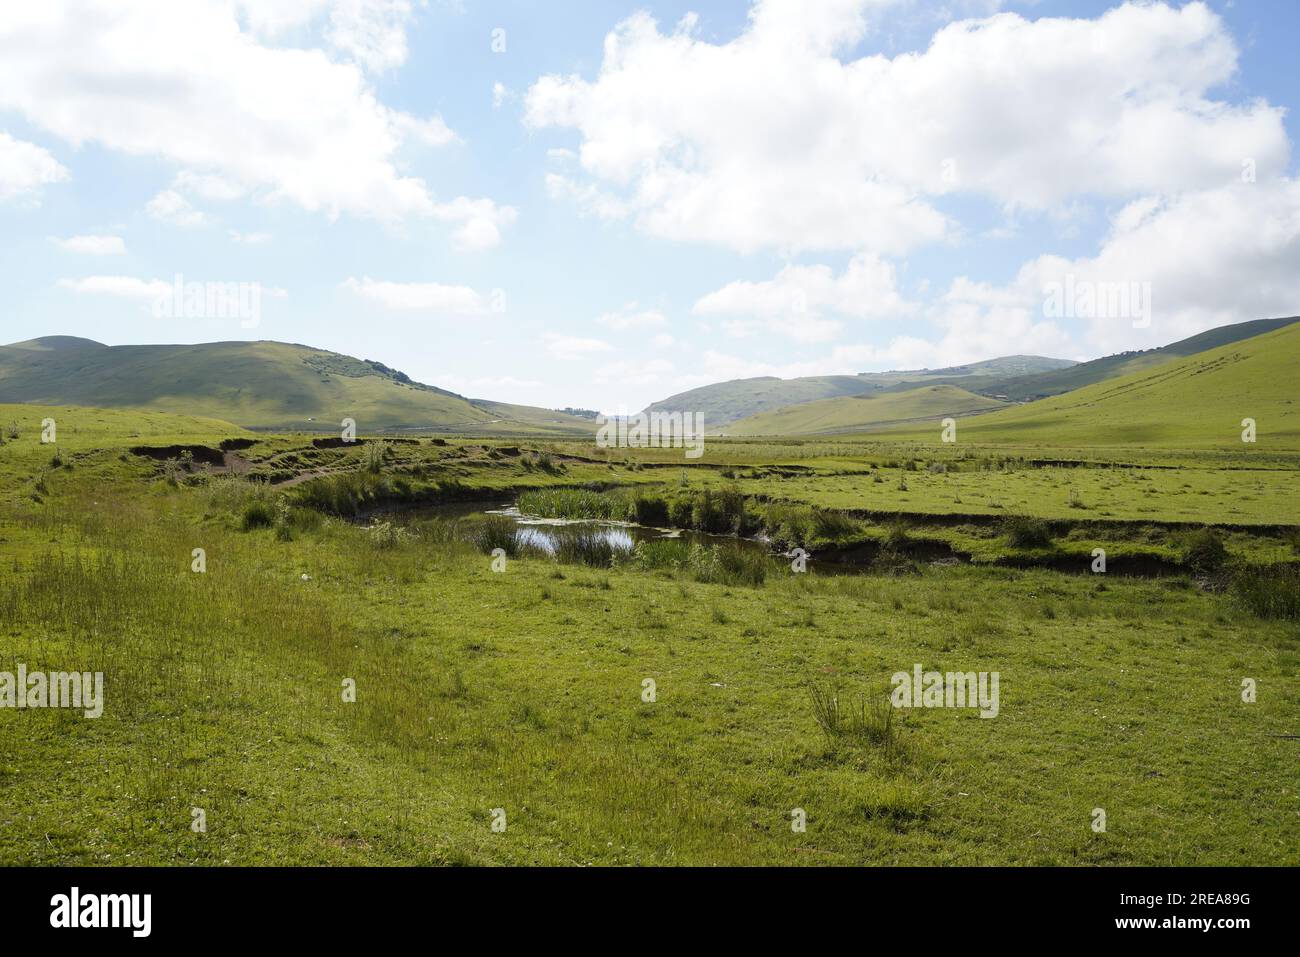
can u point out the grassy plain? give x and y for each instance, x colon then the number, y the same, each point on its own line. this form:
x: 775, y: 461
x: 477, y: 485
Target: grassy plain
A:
x: 523, y: 689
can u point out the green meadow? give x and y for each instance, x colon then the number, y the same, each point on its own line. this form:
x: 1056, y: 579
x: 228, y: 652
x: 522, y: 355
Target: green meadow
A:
x: 514, y: 688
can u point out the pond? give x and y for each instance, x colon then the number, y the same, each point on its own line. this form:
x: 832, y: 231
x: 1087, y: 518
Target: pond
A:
x: 543, y: 533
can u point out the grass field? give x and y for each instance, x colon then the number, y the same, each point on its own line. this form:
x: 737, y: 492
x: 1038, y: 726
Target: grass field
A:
x: 522, y: 690
x: 862, y: 412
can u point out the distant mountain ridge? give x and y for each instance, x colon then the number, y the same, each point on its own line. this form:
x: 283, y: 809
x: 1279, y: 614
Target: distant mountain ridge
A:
x: 872, y: 410
x: 1040, y: 385
x: 722, y: 403
x: 263, y: 385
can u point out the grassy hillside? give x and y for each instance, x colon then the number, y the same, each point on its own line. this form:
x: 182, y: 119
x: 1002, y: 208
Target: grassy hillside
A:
x: 255, y: 384
x: 858, y: 412
x: 510, y: 417
x: 1055, y: 382
x: 1195, y: 402
x: 722, y: 403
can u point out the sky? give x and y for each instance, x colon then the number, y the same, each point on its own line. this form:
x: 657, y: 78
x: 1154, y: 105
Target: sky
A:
x: 600, y: 203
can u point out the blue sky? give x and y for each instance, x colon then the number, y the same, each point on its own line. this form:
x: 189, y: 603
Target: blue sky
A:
x: 603, y: 203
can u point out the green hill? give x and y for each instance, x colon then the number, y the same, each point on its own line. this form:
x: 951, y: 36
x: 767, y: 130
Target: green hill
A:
x: 725, y: 402
x: 1194, y: 402
x: 870, y: 411
x: 253, y: 384
x: 1040, y: 384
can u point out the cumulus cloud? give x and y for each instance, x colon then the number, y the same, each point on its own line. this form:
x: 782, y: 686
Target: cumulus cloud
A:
x: 428, y: 297
x: 1205, y: 258
x: 93, y: 245
x: 169, y: 206
x: 771, y: 140
x: 372, y: 32
x: 25, y: 168
x: 478, y: 221
x: 195, y: 84
x: 797, y: 302
x: 122, y: 287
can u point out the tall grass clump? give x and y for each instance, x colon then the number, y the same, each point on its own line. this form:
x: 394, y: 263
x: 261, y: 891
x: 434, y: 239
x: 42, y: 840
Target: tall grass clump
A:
x: 661, y: 553
x: 720, y: 564
x: 860, y: 719
x: 257, y: 514
x: 1025, y: 532
x: 649, y: 510
x: 1269, y: 591
x: 346, y: 494
x: 497, y: 531
x: 1203, y: 551
x: 590, y: 546
x: 376, y: 454
x: 574, y: 503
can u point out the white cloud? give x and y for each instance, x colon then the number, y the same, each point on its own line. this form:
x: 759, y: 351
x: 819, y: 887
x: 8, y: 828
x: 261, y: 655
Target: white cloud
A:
x: 1208, y: 257
x: 772, y: 140
x: 796, y: 302
x: 187, y: 83
x: 206, y: 186
x: 589, y: 197
x: 500, y: 93
x: 372, y: 32
x: 25, y: 168
x: 93, y: 245
x: 630, y: 317
x: 123, y: 287
x: 250, y: 239
x: 479, y: 221
x: 432, y: 131
x: 170, y: 206
x: 574, y: 347
x: 428, y: 297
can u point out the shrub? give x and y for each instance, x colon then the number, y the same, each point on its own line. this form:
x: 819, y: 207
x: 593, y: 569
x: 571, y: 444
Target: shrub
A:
x: 896, y: 538
x: 545, y: 462
x: 649, y: 510
x: 1025, y: 532
x: 1203, y: 551
x: 257, y: 514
